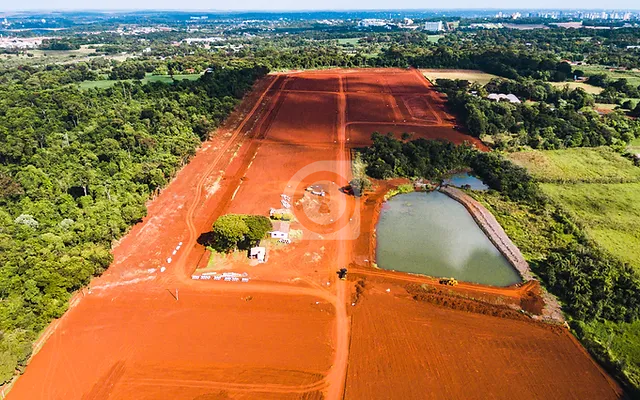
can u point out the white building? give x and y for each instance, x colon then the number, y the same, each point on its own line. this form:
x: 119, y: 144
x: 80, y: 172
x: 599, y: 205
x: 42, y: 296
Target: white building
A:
x: 258, y: 253
x: 280, y: 230
x: 500, y: 96
x: 367, y: 22
x: 434, y: 26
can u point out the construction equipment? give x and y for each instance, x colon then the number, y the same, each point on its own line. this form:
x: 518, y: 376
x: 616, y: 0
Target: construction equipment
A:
x: 342, y: 273
x: 448, y: 281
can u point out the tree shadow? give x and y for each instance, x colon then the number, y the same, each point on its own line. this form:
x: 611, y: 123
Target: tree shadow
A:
x: 206, y: 239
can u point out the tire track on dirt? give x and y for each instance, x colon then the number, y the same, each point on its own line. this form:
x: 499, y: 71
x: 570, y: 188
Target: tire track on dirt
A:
x: 236, y: 387
x: 193, y: 232
x: 429, y: 88
x: 338, y: 374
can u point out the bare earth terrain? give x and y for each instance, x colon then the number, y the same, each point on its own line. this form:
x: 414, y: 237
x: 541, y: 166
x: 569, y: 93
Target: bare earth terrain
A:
x: 292, y: 331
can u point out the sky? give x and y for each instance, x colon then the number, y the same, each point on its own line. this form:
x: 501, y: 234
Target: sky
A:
x: 262, y: 5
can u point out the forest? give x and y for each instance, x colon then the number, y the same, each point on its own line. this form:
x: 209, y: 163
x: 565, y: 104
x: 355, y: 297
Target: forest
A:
x: 546, y: 118
x: 76, y: 169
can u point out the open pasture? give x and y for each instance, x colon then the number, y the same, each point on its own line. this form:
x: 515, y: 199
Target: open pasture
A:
x: 610, y: 214
x: 600, y: 164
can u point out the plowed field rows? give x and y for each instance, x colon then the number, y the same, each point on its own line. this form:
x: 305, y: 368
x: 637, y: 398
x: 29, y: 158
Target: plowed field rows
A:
x: 404, y: 349
x: 321, y: 83
x: 303, y: 118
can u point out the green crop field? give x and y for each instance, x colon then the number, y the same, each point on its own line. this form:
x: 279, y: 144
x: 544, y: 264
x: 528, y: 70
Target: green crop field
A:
x: 466, y: 74
x: 149, y: 78
x: 632, y: 76
x: 609, y: 213
x: 600, y: 164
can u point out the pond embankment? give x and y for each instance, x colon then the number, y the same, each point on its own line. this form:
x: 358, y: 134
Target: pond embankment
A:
x: 487, y: 222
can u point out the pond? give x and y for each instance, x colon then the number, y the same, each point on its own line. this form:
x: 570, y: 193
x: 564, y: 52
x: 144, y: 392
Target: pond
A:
x: 432, y: 234
x: 458, y: 180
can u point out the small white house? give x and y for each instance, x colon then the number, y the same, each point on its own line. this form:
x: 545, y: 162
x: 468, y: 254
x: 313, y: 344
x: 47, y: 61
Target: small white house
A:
x: 280, y: 230
x: 258, y: 253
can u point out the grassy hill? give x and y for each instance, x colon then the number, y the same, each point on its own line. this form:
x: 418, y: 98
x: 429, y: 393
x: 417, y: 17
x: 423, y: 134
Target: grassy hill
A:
x: 579, y: 165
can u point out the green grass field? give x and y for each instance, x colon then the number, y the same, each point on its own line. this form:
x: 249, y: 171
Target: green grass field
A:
x: 599, y: 188
x: 632, y: 76
x: 575, y: 85
x: 467, y: 74
x: 149, y: 78
x: 600, y: 164
x: 634, y: 146
x: 434, y: 38
x: 348, y: 41
x: 609, y: 213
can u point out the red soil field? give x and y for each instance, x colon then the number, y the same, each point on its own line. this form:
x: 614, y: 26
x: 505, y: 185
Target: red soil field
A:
x: 367, y: 83
x: 405, y: 349
x: 407, y: 82
x: 209, y: 341
x: 359, y: 134
x: 145, y: 334
x: 373, y: 108
x: 419, y: 108
x: 304, y: 118
x: 308, y: 82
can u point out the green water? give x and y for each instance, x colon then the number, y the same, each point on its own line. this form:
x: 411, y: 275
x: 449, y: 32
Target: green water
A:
x: 461, y: 179
x: 432, y: 234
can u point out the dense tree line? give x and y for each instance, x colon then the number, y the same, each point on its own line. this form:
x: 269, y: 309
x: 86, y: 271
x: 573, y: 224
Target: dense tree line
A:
x: 76, y: 168
x: 388, y: 157
x: 556, y: 118
x: 55, y: 44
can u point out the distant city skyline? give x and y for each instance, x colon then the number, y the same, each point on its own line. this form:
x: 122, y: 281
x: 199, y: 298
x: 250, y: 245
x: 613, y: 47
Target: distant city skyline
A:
x: 293, y: 5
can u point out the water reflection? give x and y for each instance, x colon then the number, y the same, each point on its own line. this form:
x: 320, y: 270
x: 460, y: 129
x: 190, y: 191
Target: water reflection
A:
x: 432, y: 234
x: 463, y: 179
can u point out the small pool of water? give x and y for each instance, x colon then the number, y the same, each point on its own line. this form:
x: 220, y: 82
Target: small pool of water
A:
x: 432, y: 234
x: 458, y: 180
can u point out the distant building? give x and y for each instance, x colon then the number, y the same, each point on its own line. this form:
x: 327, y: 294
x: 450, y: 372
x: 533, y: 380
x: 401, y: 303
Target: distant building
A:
x: 280, y: 230
x: 368, y: 22
x: 488, y: 25
x: 500, y: 96
x: 433, y: 26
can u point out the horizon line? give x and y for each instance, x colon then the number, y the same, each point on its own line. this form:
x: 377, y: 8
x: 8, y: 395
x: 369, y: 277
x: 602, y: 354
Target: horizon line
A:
x: 285, y: 10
